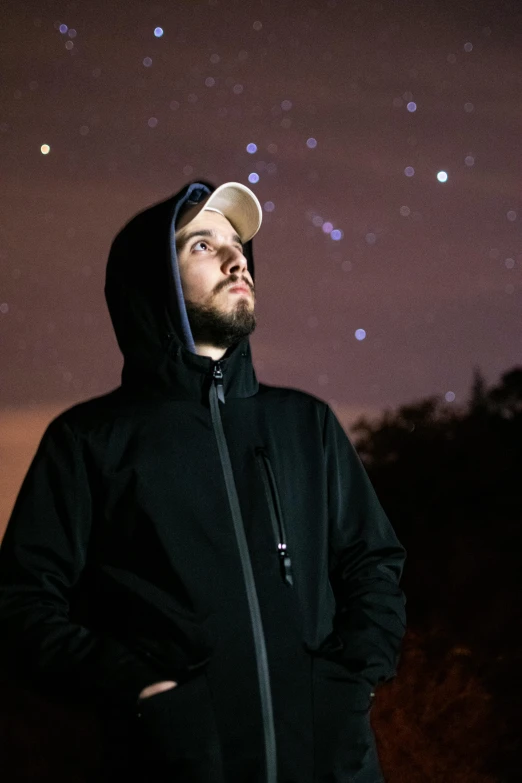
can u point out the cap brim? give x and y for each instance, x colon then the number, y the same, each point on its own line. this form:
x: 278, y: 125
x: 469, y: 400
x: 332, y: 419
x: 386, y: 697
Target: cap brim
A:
x: 238, y: 204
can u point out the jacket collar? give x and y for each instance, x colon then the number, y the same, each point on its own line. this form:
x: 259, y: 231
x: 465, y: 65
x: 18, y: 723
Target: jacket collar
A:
x: 183, y: 375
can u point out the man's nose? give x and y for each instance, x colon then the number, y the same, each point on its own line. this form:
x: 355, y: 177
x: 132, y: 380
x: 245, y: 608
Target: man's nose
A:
x: 236, y: 258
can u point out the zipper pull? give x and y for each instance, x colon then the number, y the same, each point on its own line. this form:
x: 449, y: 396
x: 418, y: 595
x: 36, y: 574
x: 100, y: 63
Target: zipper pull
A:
x: 286, y: 564
x: 218, y: 379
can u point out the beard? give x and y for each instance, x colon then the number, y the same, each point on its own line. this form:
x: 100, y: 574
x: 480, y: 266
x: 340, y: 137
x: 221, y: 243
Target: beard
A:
x: 220, y: 328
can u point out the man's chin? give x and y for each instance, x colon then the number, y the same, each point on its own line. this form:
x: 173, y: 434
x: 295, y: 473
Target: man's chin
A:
x: 225, y: 337
x: 221, y: 328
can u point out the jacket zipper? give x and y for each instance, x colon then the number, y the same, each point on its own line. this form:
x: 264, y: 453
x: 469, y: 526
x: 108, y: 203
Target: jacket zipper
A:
x: 217, y: 393
x: 276, y: 516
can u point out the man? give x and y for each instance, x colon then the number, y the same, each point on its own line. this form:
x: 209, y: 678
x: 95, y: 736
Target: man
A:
x: 200, y: 555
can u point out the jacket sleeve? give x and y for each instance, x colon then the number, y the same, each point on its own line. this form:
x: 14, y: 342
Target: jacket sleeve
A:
x: 42, y: 556
x: 366, y: 564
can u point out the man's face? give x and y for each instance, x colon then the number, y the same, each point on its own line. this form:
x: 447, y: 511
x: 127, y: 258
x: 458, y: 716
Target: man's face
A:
x: 209, y: 266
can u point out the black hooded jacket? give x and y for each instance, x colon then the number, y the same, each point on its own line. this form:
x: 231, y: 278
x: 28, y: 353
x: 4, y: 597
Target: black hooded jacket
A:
x: 196, y: 525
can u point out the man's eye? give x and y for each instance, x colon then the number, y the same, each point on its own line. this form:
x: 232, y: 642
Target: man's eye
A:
x: 201, y: 242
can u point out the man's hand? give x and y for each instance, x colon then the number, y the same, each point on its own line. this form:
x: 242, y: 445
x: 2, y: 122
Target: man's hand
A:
x: 150, y: 690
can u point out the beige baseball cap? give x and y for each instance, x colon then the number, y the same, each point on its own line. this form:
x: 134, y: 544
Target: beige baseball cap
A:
x: 234, y: 201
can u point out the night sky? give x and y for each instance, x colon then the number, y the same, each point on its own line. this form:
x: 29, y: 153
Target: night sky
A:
x: 387, y: 157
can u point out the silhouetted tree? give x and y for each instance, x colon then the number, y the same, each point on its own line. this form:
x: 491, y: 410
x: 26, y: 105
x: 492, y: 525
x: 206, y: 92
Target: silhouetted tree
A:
x: 449, y: 478
x: 431, y: 456
x: 479, y: 401
x: 506, y: 398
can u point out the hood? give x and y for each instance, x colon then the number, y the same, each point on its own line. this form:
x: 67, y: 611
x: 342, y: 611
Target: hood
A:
x: 147, y: 309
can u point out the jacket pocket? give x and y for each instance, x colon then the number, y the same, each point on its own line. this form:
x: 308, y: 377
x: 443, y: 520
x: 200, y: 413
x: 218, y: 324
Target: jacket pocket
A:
x: 276, y: 516
x: 344, y: 743
x: 177, y: 732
